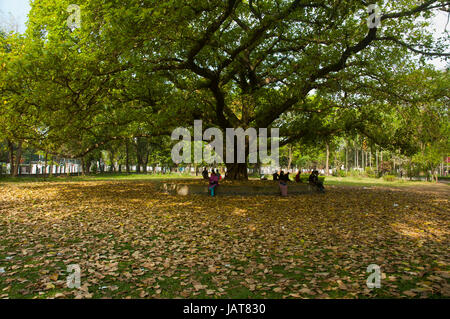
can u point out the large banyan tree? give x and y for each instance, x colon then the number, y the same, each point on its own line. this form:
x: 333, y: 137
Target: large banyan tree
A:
x: 236, y: 63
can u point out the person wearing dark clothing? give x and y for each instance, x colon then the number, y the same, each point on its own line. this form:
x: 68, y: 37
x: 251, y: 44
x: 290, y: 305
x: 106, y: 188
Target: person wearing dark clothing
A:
x: 297, y: 177
x: 314, y: 181
x: 205, y: 174
x: 312, y: 177
x: 276, y: 176
x: 218, y: 174
x: 284, y: 177
x: 283, y: 183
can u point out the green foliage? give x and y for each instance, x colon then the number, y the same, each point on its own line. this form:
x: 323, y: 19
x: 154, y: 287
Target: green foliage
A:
x: 304, y: 178
x: 342, y: 173
x: 370, y: 172
x: 137, y: 69
x: 389, y: 178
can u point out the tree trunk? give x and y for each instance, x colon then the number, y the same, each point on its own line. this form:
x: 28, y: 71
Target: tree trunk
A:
x: 111, y: 158
x: 376, y: 160
x: 51, y: 167
x: 127, y: 157
x: 346, y: 158
x: 290, y: 158
x: 336, y: 165
x: 363, y: 160
x: 11, y: 157
x: 327, y: 166
x: 145, y: 162
x: 381, y: 161
x: 83, y: 166
x: 45, y: 165
x: 237, y: 171
x: 67, y: 168
x: 367, y: 159
x: 18, y: 158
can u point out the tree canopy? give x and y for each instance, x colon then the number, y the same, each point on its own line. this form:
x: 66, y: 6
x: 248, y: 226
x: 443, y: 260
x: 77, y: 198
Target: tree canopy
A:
x: 138, y: 69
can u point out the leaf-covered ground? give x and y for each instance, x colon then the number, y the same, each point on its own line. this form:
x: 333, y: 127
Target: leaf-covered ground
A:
x: 133, y: 242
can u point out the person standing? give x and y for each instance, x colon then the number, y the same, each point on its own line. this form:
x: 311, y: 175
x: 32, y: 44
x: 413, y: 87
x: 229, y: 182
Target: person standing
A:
x: 283, y: 183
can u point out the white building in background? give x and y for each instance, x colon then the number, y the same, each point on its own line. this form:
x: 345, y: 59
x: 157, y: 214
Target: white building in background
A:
x: 38, y: 169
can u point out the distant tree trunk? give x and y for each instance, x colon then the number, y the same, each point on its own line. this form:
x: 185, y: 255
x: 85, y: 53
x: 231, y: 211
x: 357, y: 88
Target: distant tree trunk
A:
x: 290, y: 158
x: 436, y: 175
x: 127, y: 157
x: 381, y: 162
x: 11, y: 157
x: 18, y: 159
x: 376, y: 160
x: 346, y: 158
x: 335, y: 162
x: 363, y: 160
x: 145, y: 161
x: 100, y: 166
x: 45, y: 164
x: 327, y: 166
x: 111, y: 159
x: 67, y: 169
x: 51, y: 167
x: 83, y: 167
x: 258, y: 166
x: 138, y: 155
x: 138, y: 167
x: 367, y: 158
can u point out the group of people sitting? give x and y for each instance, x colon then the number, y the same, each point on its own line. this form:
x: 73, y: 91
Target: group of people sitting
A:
x: 281, y: 177
x: 214, y: 179
x: 315, y: 181
x: 284, y: 178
